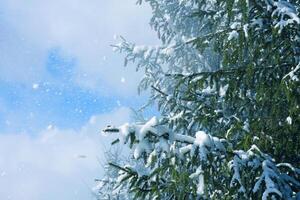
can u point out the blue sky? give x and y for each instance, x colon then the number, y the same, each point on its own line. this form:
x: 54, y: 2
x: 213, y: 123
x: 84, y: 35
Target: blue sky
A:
x: 60, y: 83
x: 57, y: 99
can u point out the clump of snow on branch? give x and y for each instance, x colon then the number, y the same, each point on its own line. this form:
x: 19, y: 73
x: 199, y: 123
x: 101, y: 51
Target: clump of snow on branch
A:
x: 155, y: 141
x: 287, y: 14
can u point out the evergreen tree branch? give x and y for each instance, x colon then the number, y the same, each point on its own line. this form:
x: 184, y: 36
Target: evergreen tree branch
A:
x: 225, y: 71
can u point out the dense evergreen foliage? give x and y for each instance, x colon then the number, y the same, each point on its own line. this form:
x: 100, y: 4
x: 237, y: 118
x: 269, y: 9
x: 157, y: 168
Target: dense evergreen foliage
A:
x: 226, y: 81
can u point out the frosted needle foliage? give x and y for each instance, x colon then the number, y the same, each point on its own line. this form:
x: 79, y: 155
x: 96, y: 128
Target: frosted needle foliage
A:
x: 225, y: 79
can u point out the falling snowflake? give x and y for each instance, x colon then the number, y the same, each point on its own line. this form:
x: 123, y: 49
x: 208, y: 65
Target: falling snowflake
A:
x: 35, y: 86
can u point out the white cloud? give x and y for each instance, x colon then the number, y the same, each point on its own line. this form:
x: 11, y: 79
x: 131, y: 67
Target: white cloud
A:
x: 82, y: 29
x: 57, y: 164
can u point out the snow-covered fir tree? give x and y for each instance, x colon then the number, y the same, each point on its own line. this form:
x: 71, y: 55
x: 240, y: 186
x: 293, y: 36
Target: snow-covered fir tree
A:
x: 226, y: 81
